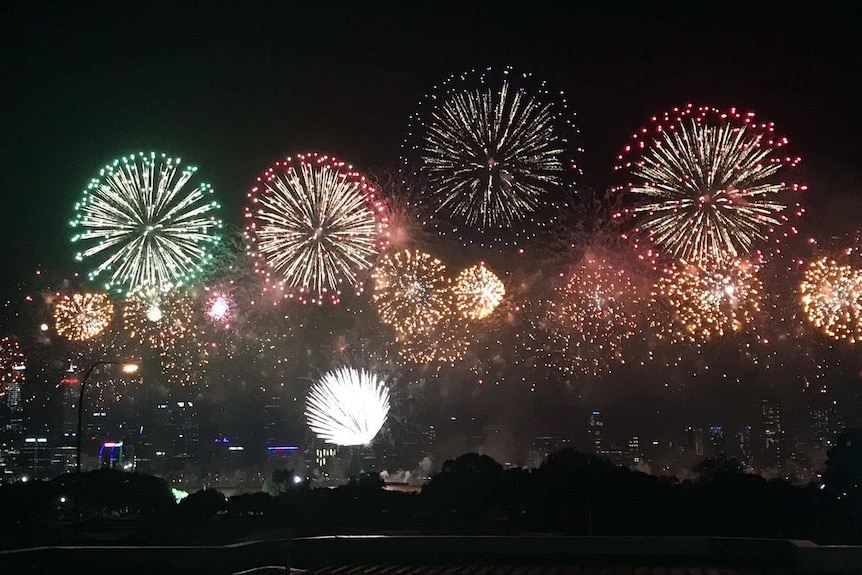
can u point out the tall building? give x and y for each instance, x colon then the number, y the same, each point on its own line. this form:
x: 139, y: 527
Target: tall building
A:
x: 65, y: 453
x: 743, y: 445
x: 694, y: 441
x: 634, y: 450
x: 37, y: 457
x: 14, y: 412
x: 826, y: 424
x: 69, y: 393
x: 717, y: 442
x: 596, y: 429
x: 273, y: 418
x: 772, y: 433
x: 186, y: 429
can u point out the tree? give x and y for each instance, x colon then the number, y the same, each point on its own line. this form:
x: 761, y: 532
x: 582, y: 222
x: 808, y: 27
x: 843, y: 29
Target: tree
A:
x: 203, y: 504
x: 718, y: 467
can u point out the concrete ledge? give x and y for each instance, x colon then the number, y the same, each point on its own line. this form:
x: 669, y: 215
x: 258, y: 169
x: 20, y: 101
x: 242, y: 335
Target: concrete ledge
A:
x: 134, y: 560
x: 829, y: 558
x: 783, y: 554
x: 773, y: 555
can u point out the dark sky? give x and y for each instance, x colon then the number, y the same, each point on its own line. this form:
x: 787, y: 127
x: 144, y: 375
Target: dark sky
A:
x: 231, y: 87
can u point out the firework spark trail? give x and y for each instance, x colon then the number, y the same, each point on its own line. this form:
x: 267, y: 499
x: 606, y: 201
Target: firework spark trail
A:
x: 446, y: 343
x: 598, y: 308
x: 145, y: 225
x: 347, y: 406
x: 315, y: 224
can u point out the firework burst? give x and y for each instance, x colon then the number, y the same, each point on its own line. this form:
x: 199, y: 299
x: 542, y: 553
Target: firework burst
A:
x: 446, y: 343
x: 159, y: 323
x: 220, y: 307
x: 314, y: 225
x: 707, y: 184
x: 147, y: 223
x: 599, y: 307
x: 82, y: 316
x: 831, y: 297
x: 412, y: 292
x: 478, y: 291
x: 493, y: 147
x: 708, y: 303
x: 13, y: 364
x: 347, y: 406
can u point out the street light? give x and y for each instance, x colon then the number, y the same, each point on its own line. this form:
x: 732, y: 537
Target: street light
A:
x: 128, y: 368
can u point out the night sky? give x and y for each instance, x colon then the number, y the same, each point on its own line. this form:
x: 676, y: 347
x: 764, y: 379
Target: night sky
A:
x: 233, y: 87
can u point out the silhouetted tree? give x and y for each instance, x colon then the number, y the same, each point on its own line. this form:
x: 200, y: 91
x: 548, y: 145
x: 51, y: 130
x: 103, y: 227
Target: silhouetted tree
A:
x: 717, y: 467
x: 203, y: 504
x: 468, y: 486
x: 113, y: 493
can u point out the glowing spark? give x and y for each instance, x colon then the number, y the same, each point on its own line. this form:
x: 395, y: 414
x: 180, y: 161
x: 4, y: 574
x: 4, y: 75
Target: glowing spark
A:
x: 219, y: 307
x: 160, y: 323
x: 447, y: 342
x: 494, y: 148
x: 598, y: 308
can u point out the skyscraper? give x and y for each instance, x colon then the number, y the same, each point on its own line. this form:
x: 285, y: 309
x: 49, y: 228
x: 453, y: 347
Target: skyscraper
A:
x: 694, y: 441
x: 743, y: 444
x: 596, y: 429
x: 717, y: 442
x: 772, y: 433
x: 65, y: 449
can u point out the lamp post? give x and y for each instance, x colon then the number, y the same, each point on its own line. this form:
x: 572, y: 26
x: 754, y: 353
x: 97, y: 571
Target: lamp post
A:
x: 127, y: 368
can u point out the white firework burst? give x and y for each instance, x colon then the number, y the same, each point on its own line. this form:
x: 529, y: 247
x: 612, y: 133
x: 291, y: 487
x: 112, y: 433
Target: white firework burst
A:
x: 492, y: 154
x: 347, y: 406
x: 315, y: 224
x: 147, y: 224
x: 707, y: 193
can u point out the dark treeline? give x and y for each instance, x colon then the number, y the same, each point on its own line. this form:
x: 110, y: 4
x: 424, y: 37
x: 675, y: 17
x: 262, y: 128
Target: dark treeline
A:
x: 570, y: 493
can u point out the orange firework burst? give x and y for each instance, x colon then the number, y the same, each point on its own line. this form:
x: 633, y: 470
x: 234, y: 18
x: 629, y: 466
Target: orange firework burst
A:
x: 478, y: 291
x: 598, y: 308
x: 159, y: 322
x: 831, y: 295
x: 411, y: 291
x: 82, y: 316
x: 709, y: 301
x: 446, y: 343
